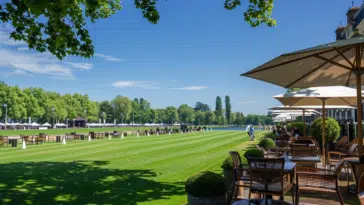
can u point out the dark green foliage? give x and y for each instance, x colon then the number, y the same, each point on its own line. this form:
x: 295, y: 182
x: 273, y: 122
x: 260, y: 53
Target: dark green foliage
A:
x: 299, y: 125
x: 228, y: 109
x: 202, y: 107
x: 205, y: 184
x: 332, y: 128
x: 227, y: 164
x: 267, y: 143
x: 253, y: 153
x: 271, y: 135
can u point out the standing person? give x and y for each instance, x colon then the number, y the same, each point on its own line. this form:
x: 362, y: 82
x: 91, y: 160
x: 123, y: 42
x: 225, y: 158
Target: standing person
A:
x: 247, y: 131
x: 251, y: 132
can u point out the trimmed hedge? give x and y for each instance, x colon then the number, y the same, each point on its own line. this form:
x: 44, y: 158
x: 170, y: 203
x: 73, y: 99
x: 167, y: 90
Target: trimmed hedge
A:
x: 253, y: 153
x: 271, y: 135
x: 267, y: 143
x: 332, y: 129
x: 299, y: 125
x: 205, y: 184
x: 227, y: 164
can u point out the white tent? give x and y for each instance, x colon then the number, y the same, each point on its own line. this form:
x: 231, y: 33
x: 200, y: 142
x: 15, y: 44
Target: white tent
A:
x: 34, y: 124
x: 46, y: 125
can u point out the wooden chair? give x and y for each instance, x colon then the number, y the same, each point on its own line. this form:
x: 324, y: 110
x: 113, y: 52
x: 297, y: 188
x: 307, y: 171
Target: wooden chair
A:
x: 319, y: 180
x: 269, y: 153
x: 303, y: 150
x: 342, y: 142
x: 267, y: 177
x: 241, y: 177
x: 361, y: 189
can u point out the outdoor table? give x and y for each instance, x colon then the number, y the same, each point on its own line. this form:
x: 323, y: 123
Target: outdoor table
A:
x: 357, y: 169
x: 260, y: 202
x: 305, y: 160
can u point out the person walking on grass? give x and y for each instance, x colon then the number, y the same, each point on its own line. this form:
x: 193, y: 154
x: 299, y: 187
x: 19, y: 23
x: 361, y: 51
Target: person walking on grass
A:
x: 247, y: 131
x: 251, y: 132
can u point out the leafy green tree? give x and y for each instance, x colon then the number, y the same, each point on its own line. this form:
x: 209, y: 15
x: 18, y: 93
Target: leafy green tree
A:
x: 171, y: 114
x: 219, y: 111
x: 186, y: 114
x: 209, y: 118
x: 60, y: 27
x: 202, y: 107
x: 228, y: 109
x: 106, y: 107
x: 199, y: 117
x: 121, y: 105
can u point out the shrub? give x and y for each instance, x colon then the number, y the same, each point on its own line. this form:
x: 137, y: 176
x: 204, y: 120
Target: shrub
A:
x: 205, y: 184
x: 299, y: 125
x: 271, y: 135
x: 253, y: 153
x: 267, y: 143
x: 332, y: 129
x: 227, y: 164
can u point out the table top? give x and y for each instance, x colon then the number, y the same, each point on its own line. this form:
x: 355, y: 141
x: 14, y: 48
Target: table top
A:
x: 304, y: 158
x: 260, y: 202
x: 288, y: 166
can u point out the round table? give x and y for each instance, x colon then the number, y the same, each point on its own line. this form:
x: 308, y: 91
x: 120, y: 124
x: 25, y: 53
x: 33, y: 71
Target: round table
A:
x: 260, y: 202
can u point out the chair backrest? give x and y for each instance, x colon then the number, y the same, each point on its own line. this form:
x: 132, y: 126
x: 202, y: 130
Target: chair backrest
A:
x: 260, y: 148
x: 338, y: 167
x: 353, y: 149
x: 303, y: 150
x: 266, y: 171
x: 236, y: 158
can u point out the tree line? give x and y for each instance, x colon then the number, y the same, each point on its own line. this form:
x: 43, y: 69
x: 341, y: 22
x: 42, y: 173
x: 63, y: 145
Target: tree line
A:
x: 44, y: 106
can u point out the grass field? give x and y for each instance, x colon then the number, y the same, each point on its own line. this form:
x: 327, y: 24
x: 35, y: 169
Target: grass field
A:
x: 77, y: 130
x: 130, y: 171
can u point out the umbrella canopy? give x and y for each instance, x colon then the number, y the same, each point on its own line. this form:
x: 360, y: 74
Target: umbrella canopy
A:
x: 46, y: 125
x: 330, y: 64
x: 34, y: 124
x: 334, y: 95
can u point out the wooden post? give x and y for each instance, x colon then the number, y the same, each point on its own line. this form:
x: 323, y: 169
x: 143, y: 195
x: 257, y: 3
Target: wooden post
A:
x: 359, y: 98
x: 304, y: 122
x: 323, y: 133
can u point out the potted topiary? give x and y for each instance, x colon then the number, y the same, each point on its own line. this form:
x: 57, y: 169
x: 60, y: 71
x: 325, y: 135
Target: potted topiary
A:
x: 267, y: 143
x: 205, y: 188
x: 252, y: 153
x: 332, y: 130
x: 227, y: 166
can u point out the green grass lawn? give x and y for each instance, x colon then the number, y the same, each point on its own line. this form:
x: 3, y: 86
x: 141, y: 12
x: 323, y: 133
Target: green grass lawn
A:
x: 130, y: 171
x: 77, y: 130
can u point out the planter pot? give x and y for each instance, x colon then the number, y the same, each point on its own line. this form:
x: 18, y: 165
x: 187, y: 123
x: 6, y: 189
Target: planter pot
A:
x: 211, y: 200
x: 228, y: 178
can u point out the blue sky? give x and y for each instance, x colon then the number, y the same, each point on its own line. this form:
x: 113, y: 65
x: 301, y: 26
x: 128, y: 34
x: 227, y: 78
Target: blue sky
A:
x: 196, y: 52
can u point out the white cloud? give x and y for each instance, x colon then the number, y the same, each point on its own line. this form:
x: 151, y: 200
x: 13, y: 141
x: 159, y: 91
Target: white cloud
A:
x: 106, y: 57
x: 22, y: 49
x: 246, y: 102
x: 82, y: 66
x: 192, y: 88
x: 138, y: 84
x: 5, y: 40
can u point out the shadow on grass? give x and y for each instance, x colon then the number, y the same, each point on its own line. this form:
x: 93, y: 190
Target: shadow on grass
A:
x: 80, y: 182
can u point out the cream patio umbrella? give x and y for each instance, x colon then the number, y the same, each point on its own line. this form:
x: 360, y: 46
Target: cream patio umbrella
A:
x: 304, y: 111
x: 331, y: 64
x: 334, y: 95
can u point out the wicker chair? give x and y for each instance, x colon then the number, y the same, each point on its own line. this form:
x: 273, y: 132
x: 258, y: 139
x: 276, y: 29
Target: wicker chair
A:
x: 303, y: 150
x: 342, y: 142
x: 361, y: 189
x: 267, y: 177
x: 315, y: 179
x: 241, y: 177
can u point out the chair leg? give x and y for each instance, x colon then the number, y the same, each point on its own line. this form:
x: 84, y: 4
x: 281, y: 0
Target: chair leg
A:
x: 230, y: 195
x: 292, y: 191
x: 339, y: 195
x: 297, y: 198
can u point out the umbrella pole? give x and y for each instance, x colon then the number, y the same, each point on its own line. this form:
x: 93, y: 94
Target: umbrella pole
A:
x: 304, y: 123
x: 360, y: 113
x: 323, y: 133
x: 358, y: 55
